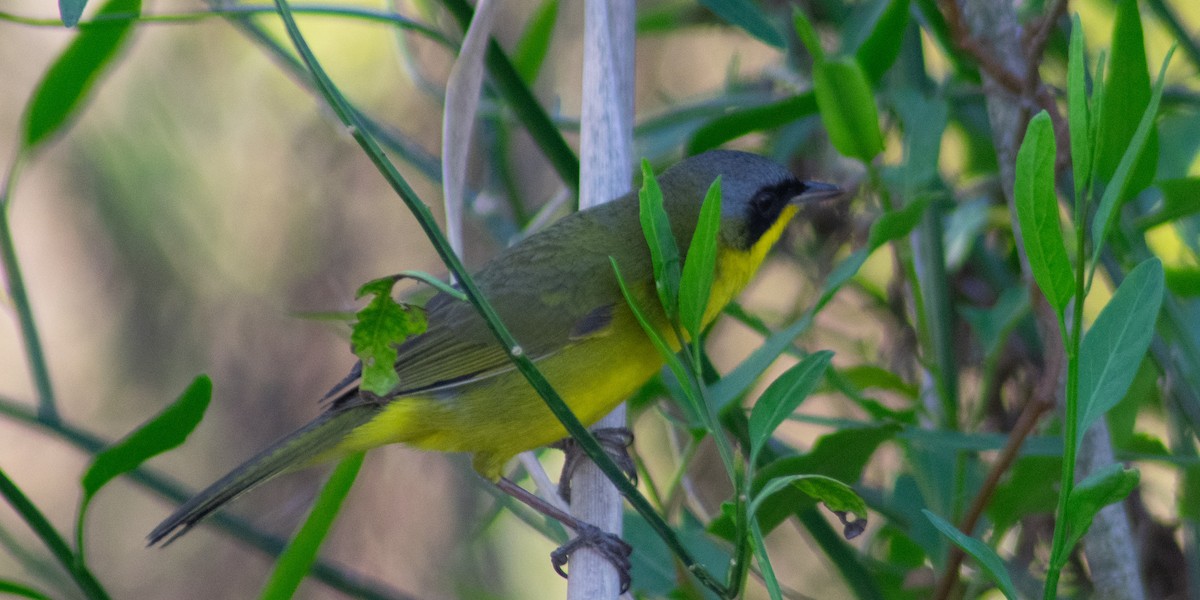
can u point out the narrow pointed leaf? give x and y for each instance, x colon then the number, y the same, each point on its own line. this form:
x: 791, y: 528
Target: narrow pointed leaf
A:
x: 847, y: 108
x: 1110, y: 203
x: 808, y: 35
x: 663, y: 251
x: 296, y: 560
x: 747, y: 15
x: 1037, y: 212
x: 835, y: 495
x: 983, y: 554
x: 531, y: 49
x: 783, y: 396
x: 167, y: 430
x: 67, y: 83
x: 1127, y: 94
x: 1180, y: 198
x: 699, y: 267
x: 879, y: 51
x: 1113, y: 348
x: 770, y: 581
x: 1106, y: 486
x: 1077, y: 110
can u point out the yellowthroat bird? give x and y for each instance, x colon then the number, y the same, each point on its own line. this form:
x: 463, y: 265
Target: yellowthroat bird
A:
x: 557, y: 293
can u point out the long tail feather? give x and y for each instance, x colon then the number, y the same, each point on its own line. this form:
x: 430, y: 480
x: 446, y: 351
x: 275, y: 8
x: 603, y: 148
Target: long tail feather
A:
x: 295, y: 450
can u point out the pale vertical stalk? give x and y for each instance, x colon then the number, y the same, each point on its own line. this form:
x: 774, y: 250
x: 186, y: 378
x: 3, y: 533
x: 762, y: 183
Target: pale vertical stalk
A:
x: 606, y: 155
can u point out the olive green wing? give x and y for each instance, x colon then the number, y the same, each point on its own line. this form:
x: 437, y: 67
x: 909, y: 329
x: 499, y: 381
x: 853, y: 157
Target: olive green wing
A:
x: 555, y: 289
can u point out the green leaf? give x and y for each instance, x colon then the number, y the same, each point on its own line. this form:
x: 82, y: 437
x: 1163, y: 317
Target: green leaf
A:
x: 296, y: 560
x: 1037, y: 212
x: 1127, y: 95
x: 1113, y: 348
x: 964, y: 227
x: 531, y: 49
x: 835, y: 495
x: 981, y: 552
x: 786, y: 393
x: 764, y: 561
x: 382, y: 325
x: 66, y: 84
x: 1113, y: 196
x: 1106, y: 486
x: 699, y: 268
x: 663, y: 251
x: 1180, y: 198
x: 879, y: 51
x: 1077, y: 110
x: 13, y: 588
x: 736, y: 382
x: 896, y: 224
x: 924, y: 120
x: 875, y: 377
x: 808, y: 35
x: 167, y: 430
x: 654, y: 570
x: 842, y: 455
x: 1030, y: 488
x: 71, y: 10
x: 755, y: 118
x: 1189, y: 494
x: 847, y: 108
x: 747, y: 15
x: 1184, y: 281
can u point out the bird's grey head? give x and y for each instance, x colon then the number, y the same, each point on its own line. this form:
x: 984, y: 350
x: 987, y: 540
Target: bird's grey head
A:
x: 754, y: 191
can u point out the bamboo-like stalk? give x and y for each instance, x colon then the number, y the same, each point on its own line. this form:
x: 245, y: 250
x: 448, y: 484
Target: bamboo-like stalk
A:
x: 606, y: 156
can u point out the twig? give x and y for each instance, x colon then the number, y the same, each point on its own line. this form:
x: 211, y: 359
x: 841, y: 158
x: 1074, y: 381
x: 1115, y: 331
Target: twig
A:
x: 1030, y: 415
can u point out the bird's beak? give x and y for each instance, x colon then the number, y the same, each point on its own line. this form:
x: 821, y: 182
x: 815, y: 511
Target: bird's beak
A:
x: 815, y: 191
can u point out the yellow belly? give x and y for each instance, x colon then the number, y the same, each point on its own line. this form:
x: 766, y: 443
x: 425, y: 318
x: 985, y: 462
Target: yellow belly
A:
x: 500, y: 416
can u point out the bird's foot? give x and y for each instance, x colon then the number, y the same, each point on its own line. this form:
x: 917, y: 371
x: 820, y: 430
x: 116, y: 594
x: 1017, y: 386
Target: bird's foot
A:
x: 615, y: 441
x: 609, y: 546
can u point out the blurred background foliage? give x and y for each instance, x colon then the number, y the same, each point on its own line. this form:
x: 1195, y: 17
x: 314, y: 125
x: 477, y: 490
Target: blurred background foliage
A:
x: 204, y: 214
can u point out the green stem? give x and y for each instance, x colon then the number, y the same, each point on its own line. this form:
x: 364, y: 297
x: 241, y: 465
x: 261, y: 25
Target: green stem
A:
x: 47, y: 405
x: 1058, y: 550
x: 351, y: 12
x: 58, y: 547
x: 514, y: 350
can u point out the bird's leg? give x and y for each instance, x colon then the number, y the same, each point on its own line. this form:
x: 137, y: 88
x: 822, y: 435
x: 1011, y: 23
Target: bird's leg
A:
x: 615, y: 441
x: 611, y: 547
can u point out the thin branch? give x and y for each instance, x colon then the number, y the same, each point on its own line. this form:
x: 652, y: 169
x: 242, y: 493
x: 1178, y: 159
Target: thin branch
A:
x: 1030, y: 415
x: 39, y: 370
